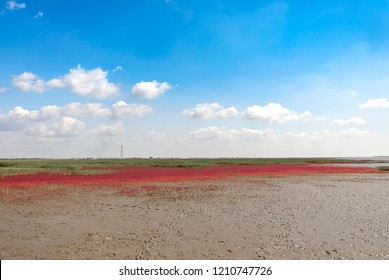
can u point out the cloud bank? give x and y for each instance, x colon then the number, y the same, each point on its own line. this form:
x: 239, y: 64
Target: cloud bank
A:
x: 210, y: 111
x: 221, y: 133
x: 351, y: 121
x: 87, y: 83
x: 271, y: 113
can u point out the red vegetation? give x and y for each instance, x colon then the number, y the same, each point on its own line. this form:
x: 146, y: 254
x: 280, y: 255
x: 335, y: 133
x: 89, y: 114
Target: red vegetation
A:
x: 162, y: 174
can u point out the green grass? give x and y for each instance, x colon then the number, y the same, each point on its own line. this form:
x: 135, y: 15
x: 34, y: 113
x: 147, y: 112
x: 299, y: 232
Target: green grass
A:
x: 383, y: 168
x: 76, y: 166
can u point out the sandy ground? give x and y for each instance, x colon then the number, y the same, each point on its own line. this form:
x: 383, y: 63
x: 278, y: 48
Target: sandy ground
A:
x: 294, y: 217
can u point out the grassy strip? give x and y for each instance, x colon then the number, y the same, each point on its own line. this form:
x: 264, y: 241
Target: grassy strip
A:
x: 383, y: 168
x: 95, y: 166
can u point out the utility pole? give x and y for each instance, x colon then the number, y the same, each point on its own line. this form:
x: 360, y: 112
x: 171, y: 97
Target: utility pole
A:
x: 121, y: 151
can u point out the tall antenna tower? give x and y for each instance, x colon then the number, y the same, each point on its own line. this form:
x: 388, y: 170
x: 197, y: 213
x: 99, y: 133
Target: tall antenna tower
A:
x: 121, y: 151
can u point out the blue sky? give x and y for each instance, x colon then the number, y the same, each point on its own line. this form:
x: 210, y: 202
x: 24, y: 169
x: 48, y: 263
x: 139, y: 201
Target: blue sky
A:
x: 180, y: 78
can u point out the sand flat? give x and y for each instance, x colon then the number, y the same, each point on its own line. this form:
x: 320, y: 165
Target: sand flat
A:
x: 338, y: 216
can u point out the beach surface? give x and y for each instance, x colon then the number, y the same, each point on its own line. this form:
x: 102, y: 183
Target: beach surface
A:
x: 310, y: 216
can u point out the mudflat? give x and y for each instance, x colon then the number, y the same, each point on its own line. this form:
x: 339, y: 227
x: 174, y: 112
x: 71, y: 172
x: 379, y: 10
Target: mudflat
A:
x: 316, y: 216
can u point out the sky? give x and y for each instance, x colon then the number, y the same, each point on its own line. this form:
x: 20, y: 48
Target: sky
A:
x: 181, y: 78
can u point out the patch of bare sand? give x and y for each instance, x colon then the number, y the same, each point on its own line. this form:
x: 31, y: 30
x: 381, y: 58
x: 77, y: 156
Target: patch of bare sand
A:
x: 294, y: 217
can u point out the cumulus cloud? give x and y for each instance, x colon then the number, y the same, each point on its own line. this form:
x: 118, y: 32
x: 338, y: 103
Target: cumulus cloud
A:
x: 316, y: 135
x: 108, y: 130
x: 149, y: 90
x: 211, y: 132
x: 88, y: 83
x: 28, y: 81
x: 18, y: 113
x: 220, y: 133
x: 9, y: 124
x: 13, y: 5
x: 41, y: 130
x: 48, y: 112
x: 271, y: 113
x: 118, y: 110
x: 274, y: 113
x: 351, y: 121
x: 253, y: 134
x: 20, y: 118
x: 122, y: 109
x: 210, y: 111
x: 46, y: 121
x: 320, y: 135
x: 88, y: 109
x: 68, y: 126
x: 375, y: 103
x: 63, y: 127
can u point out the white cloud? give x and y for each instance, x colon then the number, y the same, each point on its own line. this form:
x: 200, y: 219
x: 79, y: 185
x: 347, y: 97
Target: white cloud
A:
x: 375, y: 103
x: 6, y: 124
x: 19, y: 117
x: 49, y: 112
x: 118, y: 110
x: 68, y: 126
x: 39, y: 14
x: 325, y: 134
x: 14, y: 120
x: 353, y: 132
x: 117, y: 68
x: 55, y: 83
x: 275, y: 113
x: 253, y: 134
x: 60, y: 127
x: 19, y: 113
x: 150, y: 90
x: 88, y: 83
x: 13, y: 5
x: 210, y: 111
x: 35, y: 122
x: 108, y: 130
x: 271, y: 113
x: 211, y: 132
x: 41, y: 130
x: 317, y: 135
x: 122, y: 109
x: 43, y: 114
x: 220, y: 133
x: 351, y: 121
x: 28, y: 81
x: 88, y: 109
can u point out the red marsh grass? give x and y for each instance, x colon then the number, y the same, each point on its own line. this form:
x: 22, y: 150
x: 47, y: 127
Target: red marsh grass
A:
x: 147, y: 174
